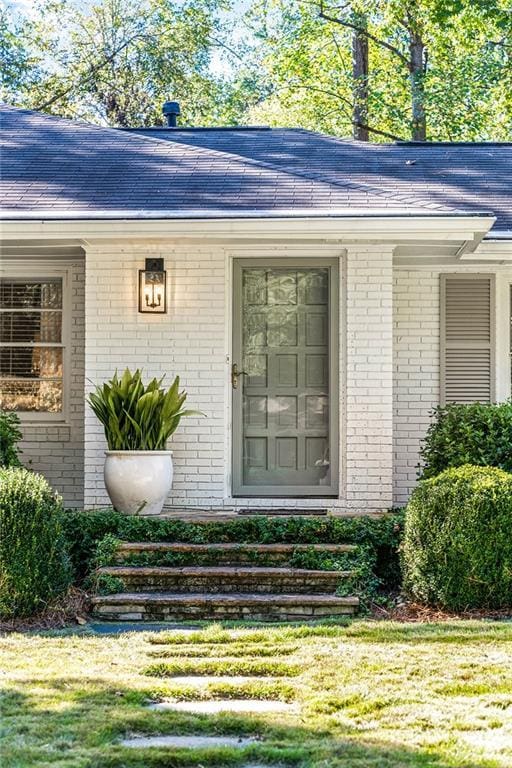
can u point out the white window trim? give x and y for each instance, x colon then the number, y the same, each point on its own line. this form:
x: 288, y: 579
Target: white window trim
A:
x: 21, y: 268
x: 503, y: 337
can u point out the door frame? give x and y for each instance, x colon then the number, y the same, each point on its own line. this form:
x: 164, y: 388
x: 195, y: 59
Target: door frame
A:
x: 238, y: 490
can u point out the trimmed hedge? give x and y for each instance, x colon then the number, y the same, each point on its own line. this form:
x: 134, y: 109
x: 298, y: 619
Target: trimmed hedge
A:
x: 34, y: 567
x: 477, y: 434
x: 457, y: 548
x: 85, y: 530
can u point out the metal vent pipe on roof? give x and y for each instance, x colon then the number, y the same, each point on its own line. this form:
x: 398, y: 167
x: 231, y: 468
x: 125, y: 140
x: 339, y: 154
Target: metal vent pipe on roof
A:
x: 171, y: 111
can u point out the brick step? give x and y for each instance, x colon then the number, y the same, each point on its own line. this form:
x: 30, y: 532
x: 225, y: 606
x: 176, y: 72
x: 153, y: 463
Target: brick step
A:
x: 165, y: 606
x: 226, y: 579
x: 224, y: 553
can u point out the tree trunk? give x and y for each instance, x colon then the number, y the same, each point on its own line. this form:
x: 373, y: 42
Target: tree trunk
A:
x: 360, y: 72
x: 417, y: 80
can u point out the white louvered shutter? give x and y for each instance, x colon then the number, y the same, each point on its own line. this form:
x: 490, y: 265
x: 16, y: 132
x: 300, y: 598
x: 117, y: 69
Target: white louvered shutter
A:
x: 467, y: 338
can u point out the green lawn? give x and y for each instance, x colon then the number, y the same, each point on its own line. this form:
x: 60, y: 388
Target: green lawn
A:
x: 372, y: 695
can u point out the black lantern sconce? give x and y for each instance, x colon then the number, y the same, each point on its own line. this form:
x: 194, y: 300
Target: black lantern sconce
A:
x: 153, y: 287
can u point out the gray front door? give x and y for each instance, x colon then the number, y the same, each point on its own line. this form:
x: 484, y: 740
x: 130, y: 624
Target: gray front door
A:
x: 285, y: 383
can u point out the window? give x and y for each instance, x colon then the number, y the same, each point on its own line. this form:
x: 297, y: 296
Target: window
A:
x: 32, y: 350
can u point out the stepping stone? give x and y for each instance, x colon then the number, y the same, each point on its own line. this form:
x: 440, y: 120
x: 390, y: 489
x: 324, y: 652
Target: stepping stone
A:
x: 187, y: 742
x: 215, y: 706
x: 118, y: 628
x: 203, y: 680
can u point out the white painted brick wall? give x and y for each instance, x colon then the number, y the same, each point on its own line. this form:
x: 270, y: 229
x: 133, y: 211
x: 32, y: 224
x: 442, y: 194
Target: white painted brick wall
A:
x: 368, y: 376
x: 416, y: 370
x: 189, y: 340
x: 416, y: 360
x: 57, y: 451
x: 192, y: 339
x: 387, y: 389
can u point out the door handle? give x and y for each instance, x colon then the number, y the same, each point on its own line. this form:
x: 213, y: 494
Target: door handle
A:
x: 235, y: 375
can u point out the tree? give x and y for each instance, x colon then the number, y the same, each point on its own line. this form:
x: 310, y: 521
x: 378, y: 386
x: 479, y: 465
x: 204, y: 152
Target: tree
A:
x: 117, y: 61
x: 433, y: 70
x: 360, y: 75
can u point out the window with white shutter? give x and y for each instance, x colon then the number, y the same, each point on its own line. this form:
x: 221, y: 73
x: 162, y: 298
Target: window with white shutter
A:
x: 467, y: 338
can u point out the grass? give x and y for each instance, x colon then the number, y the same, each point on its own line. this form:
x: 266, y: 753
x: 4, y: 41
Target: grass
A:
x: 372, y: 695
x: 229, y: 666
x: 235, y: 650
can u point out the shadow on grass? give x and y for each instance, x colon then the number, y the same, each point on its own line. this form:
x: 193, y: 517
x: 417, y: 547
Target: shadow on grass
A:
x: 83, y: 729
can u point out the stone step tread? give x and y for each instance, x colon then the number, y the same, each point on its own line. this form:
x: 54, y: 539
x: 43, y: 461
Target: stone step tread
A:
x: 283, y: 512
x: 220, y: 598
x: 229, y: 517
x: 163, y: 546
x: 221, y: 571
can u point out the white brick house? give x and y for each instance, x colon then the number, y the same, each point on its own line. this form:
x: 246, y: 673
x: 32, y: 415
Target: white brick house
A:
x: 386, y: 274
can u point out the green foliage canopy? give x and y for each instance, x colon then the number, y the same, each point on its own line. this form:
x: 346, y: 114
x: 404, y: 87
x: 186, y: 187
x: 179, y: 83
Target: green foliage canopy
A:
x: 464, y: 84
x: 115, y: 61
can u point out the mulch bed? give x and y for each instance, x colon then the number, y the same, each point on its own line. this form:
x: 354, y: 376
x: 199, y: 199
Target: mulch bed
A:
x: 405, y: 611
x: 68, y: 610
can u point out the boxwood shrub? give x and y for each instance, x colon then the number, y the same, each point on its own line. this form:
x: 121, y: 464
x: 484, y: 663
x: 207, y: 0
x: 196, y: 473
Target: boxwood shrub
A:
x: 457, y: 547
x: 478, y: 433
x: 10, y: 435
x: 34, y: 567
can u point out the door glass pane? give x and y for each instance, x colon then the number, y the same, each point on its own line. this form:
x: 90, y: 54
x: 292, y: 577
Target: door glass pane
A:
x: 285, y: 402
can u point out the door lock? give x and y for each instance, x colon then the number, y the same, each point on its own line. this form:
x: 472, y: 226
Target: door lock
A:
x: 235, y: 375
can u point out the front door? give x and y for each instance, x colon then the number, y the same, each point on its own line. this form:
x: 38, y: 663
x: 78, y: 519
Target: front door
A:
x: 285, y: 378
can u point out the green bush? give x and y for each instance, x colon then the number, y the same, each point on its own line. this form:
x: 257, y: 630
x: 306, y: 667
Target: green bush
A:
x: 34, y: 567
x: 476, y: 434
x: 10, y: 435
x: 85, y: 531
x: 457, y: 547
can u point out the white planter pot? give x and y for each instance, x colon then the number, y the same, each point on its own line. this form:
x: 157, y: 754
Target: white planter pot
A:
x: 138, y: 481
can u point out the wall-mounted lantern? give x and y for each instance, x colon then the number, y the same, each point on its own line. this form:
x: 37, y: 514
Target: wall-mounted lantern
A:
x: 152, y: 287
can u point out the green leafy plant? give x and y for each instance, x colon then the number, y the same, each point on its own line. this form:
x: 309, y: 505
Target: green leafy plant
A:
x: 34, y: 566
x: 478, y: 434
x: 138, y: 417
x: 10, y: 435
x: 457, y: 547
x: 378, y: 536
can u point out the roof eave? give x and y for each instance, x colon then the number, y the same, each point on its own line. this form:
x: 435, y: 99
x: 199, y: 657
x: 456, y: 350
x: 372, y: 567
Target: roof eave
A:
x: 463, y: 230
x: 54, y: 215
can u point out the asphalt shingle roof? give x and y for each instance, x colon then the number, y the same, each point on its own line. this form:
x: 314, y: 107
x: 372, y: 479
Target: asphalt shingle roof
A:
x: 66, y: 167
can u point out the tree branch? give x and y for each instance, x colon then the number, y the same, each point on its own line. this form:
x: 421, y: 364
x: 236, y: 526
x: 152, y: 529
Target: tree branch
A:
x: 501, y: 44
x: 220, y: 44
x: 107, y: 60
x: 361, y: 30
x: 344, y: 100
